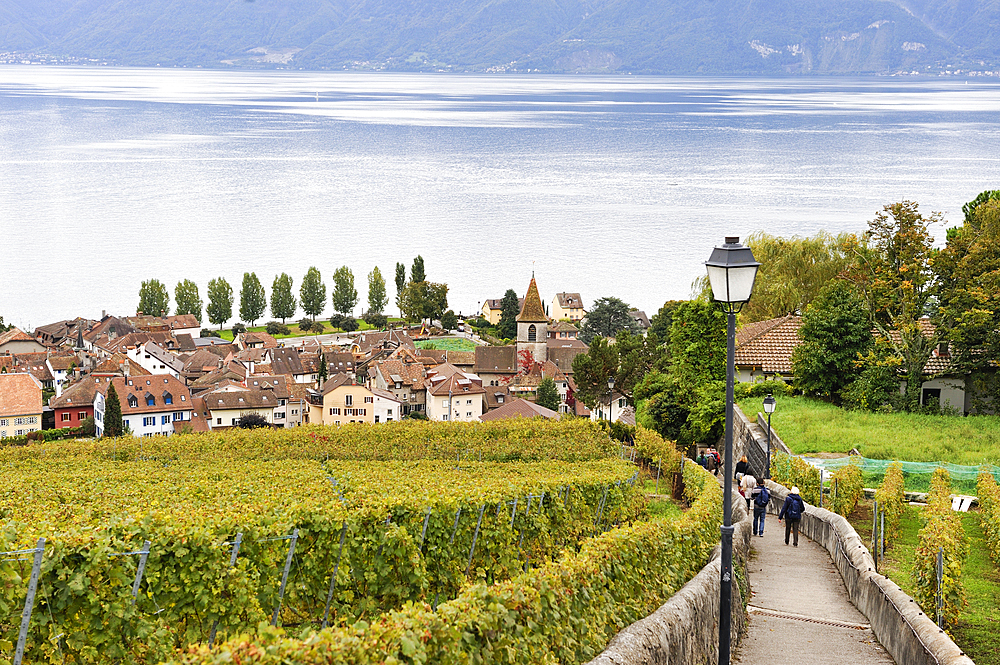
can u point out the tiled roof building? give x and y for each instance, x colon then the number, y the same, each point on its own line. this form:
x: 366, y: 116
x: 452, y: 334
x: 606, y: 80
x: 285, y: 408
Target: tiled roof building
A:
x: 764, y: 348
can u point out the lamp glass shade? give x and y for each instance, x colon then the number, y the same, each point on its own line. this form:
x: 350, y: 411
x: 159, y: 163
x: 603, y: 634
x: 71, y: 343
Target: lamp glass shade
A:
x: 611, y: 383
x: 769, y: 403
x: 732, y: 271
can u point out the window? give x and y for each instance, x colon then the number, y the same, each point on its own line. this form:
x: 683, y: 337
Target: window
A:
x: 281, y: 402
x: 362, y: 412
x: 82, y: 415
x: 280, y: 415
x: 4, y: 422
x: 126, y: 423
x: 468, y: 401
x: 369, y: 400
x: 444, y: 404
x: 149, y: 421
x: 218, y: 421
x: 178, y: 415
x: 532, y: 333
x: 388, y: 412
x: 444, y: 417
x: 621, y: 403
x: 348, y: 400
x: 234, y: 422
x: 65, y: 417
x: 150, y: 400
x: 168, y: 398
x: 469, y: 414
x: 295, y: 412
x: 376, y: 418
x: 164, y: 420
x: 931, y: 397
x: 132, y: 401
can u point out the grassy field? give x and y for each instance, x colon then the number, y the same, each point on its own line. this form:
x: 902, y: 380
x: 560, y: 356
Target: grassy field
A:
x: 293, y: 326
x: 809, y: 426
x: 447, y: 344
x: 978, y: 633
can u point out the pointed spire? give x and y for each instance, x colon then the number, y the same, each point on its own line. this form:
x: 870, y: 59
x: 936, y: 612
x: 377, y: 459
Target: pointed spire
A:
x: 532, y: 310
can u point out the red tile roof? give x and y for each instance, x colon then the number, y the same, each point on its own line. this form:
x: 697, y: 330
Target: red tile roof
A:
x: 20, y: 395
x: 768, y: 345
x: 519, y: 408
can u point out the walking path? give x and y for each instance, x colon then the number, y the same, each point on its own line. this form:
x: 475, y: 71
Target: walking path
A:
x: 799, y: 609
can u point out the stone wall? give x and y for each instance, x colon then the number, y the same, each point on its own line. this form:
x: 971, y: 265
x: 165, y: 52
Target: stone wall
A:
x: 685, y: 629
x: 910, y: 637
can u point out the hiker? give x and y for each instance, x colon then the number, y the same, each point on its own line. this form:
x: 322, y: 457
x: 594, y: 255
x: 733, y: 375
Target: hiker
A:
x: 718, y: 460
x: 702, y: 460
x: 741, y: 468
x: 713, y: 464
x: 760, y: 497
x: 792, y: 509
x: 747, y: 485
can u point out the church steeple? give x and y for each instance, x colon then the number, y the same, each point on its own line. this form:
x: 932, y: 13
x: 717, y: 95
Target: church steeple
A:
x: 532, y: 310
x: 532, y: 325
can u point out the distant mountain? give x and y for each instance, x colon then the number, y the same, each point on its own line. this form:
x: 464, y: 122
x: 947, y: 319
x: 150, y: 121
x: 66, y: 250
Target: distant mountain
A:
x: 638, y: 36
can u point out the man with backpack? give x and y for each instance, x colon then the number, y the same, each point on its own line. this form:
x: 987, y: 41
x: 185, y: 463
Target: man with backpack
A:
x: 760, y: 497
x: 792, y: 509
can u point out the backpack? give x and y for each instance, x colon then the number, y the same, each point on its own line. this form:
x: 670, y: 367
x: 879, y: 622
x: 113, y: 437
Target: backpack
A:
x: 795, y: 508
x: 762, y: 498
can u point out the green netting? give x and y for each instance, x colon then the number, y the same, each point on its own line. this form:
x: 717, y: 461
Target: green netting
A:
x: 916, y: 475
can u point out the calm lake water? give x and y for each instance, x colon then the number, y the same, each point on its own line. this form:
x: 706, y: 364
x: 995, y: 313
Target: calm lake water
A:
x: 603, y: 185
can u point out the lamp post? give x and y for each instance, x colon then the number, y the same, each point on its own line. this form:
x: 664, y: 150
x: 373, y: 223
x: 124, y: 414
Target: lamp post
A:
x: 611, y: 392
x: 769, y: 404
x: 731, y: 273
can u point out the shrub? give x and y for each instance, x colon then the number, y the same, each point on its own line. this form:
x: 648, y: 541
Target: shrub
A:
x: 207, y: 332
x: 891, y: 500
x: 251, y: 421
x: 376, y: 320
x: 449, y: 320
x: 239, y: 329
x: 942, y: 531
x: 317, y: 327
x: 789, y: 471
x: 349, y: 324
x: 337, y: 320
x: 989, y: 504
x: 849, y: 488
x: 277, y: 328
x: 776, y: 387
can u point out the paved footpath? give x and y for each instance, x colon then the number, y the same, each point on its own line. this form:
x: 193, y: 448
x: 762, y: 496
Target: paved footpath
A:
x: 799, y: 609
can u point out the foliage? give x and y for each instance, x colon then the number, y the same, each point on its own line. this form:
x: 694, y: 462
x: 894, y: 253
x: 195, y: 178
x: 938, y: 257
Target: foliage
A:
x: 835, y: 332
x: 345, y: 296
x: 113, y: 426
x: 877, y: 387
x: 253, y: 301
x: 4, y: 328
x: 220, y: 301
x: 509, y: 309
x: 274, y: 329
x: 989, y: 505
x: 312, y: 293
x: 377, y: 321
x: 377, y: 298
x: 417, y: 270
x: 424, y: 300
x: 848, y: 482
x: 317, y: 328
x: 547, y: 395
x: 238, y: 329
x: 793, y: 471
x: 891, y: 500
x: 606, y: 318
x: 283, y: 303
x: 449, y: 320
x: 154, y: 299
x: 305, y: 325
x: 251, y: 421
x: 592, y: 370
x: 659, y: 323
x: 775, y: 387
x: 208, y: 332
x: 892, y: 270
x: 942, y: 531
x: 187, y: 298
x: 349, y: 324
x: 400, y: 285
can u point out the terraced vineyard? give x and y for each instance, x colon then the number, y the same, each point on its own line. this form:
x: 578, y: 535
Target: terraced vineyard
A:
x: 350, y: 528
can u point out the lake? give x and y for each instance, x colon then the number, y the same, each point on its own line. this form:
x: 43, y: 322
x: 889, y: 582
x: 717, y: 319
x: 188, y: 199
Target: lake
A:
x: 601, y: 185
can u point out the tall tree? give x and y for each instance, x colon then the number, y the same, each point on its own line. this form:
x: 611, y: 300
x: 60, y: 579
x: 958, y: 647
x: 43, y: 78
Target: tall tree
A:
x: 835, y: 334
x: 606, y: 318
x: 312, y: 293
x: 154, y: 299
x: 547, y: 395
x: 188, y: 299
x: 659, y: 323
x: 283, y: 303
x: 424, y: 300
x: 400, y: 285
x: 377, y: 298
x: 253, y: 301
x: 220, y: 301
x: 892, y: 270
x: 323, y: 369
x: 592, y: 370
x: 112, y: 413
x: 509, y: 309
x: 417, y: 271
x: 345, y: 296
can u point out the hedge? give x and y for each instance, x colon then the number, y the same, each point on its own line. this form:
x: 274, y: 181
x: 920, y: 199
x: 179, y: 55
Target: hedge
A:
x: 891, y: 500
x: 942, y: 531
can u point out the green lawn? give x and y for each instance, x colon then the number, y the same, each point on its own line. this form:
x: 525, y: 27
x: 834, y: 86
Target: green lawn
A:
x: 293, y: 326
x: 977, y: 632
x: 810, y: 426
x: 447, y: 344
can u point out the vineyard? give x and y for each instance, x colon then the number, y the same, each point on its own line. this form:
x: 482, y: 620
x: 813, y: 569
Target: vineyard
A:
x: 154, y: 545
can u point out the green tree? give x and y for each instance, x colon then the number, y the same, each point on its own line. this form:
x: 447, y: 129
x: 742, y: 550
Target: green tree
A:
x: 424, y: 300
x: 283, y: 303
x: 377, y: 298
x: 345, y: 296
x: 312, y: 293
x: 835, y: 334
x: 188, y: 299
x: 449, y: 320
x: 592, y: 370
x: 154, y: 299
x: 220, y: 301
x: 509, y: 309
x: 607, y: 317
x: 660, y: 322
x: 400, y: 285
x: 112, y: 413
x: 4, y: 328
x: 253, y: 301
x: 547, y: 395
x: 892, y: 271
x: 323, y: 369
x: 417, y: 271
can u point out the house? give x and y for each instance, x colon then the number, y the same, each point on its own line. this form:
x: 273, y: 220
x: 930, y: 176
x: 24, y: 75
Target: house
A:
x: 404, y: 380
x: 108, y: 329
x: 520, y: 408
x: 61, y: 368
x: 151, y: 405
x: 455, y: 398
x: 184, y: 324
x: 156, y: 360
x: 36, y: 365
x: 342, y: 401
x: 20, y: 404
x: 365, y: 344
x: 76, y: 403
x: 63, y: 332
x: 255, y: 340
x: 288, y: 361
x: 561, y: 352
x: 16, y: 341
x: 493, y: 309
x: 764, y: 349
x: 228, y: 403
x: 619, y: 410
x: 568, y: 306
x: 640, y: 319
x: 563, y: 330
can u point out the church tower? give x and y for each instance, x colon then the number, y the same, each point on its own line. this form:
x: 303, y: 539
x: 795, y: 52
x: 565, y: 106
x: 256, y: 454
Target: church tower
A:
x: 533, y: 325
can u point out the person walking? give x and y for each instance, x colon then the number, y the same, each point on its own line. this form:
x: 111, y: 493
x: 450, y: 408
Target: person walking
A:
x: 713, y: 465
x: 747, y: 485
x: 741, y: 468
x: 760, y: 497
x: 792, y: 511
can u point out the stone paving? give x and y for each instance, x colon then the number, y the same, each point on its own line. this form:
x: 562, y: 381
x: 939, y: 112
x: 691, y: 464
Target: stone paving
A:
x: 799, y: 609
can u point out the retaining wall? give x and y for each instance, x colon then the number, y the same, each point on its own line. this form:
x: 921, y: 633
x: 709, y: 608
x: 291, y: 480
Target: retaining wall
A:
x: 685, y: 629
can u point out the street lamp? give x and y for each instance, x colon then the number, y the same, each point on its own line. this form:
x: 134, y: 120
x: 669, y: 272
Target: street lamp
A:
x: 769, y: 404
x: 611, y: 392
x: 731, y: 273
